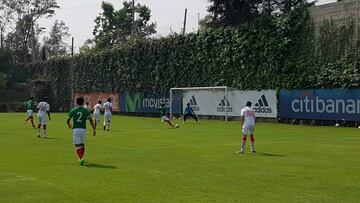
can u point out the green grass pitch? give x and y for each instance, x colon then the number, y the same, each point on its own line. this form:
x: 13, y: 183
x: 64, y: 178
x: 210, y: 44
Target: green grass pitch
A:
x: 141, y: 160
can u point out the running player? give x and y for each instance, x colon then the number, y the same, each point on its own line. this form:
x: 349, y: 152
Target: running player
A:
x: 30, y: 111
x: 247, y: 122
x: 79, y: 116
x: 189, y: 112
x: 43, y: 108
x: 97, y: 109
x: 164, y: 117
x: 107, y: 114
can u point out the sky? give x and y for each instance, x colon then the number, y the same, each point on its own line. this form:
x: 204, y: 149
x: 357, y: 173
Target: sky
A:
x: 79, y: 16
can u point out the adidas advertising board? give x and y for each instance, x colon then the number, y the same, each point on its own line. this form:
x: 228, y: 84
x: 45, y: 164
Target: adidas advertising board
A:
x: 322, y: 104
x: 207, y: 102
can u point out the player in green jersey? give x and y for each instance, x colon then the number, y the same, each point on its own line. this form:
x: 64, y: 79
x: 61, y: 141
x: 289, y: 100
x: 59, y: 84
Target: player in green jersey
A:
x: 163, y: 115
x: 30, y: 105
x: 79, y: 116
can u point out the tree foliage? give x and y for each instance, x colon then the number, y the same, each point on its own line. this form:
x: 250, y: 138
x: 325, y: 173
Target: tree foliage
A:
x: 116, y: 26
x: 23, y: 38
x: 269, y: 53
x: 239, y: 12
x: 54, y: 44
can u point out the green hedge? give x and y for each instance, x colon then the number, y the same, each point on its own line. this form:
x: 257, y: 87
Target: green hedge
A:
x: 268, y: 54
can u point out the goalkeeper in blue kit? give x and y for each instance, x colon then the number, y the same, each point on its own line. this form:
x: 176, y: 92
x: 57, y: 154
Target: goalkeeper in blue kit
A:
x: 190, y: 112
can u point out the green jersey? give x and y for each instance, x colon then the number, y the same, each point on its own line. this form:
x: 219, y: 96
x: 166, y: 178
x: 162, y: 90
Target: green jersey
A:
x: 162, y: 111
x: 79, y: 116
x: 29, y: 105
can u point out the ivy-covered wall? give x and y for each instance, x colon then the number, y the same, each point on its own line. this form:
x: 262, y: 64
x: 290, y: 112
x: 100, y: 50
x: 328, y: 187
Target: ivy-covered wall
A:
x: 268, y: 54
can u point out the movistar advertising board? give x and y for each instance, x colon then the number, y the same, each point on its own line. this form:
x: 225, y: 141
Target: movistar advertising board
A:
x: 322, y: 104
x: 146, y: 103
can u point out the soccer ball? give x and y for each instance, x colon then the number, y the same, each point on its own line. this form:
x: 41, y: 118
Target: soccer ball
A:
x: 177, y: 125
x: 337, y: 124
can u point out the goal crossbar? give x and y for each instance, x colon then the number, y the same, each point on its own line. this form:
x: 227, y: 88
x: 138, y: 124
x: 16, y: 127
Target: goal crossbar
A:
x: 201, y: 88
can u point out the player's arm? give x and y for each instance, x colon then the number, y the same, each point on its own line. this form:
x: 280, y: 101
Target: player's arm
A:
x: 68, y: 122
x: 241, y: 121
x: 92, y: 125
x: 48, y: 113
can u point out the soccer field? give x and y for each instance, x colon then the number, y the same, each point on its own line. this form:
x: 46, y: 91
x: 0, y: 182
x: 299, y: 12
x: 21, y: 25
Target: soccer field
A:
x: 141, y: 160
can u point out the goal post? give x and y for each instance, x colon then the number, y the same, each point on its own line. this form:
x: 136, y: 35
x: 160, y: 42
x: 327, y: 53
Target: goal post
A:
x: 178, y: 94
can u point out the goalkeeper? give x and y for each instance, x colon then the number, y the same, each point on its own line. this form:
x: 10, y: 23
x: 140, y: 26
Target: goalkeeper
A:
x: 190, y: 112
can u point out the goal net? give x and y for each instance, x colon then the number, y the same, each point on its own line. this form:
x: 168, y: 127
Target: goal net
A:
x: 205, y: 101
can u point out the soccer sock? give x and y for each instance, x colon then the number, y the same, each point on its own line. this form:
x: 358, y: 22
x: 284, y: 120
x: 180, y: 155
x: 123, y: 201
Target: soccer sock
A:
x: 82, y: 151
x: 243, y: 143
x: 32, y: 123
x: 44, y: 132
x: 38, y: 131
x: 108, y: 124
x: 252, y: 142
x: 78, y: 152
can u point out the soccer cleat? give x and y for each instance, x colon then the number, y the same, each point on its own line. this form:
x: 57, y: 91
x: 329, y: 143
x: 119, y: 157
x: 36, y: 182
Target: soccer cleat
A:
x: 38, y: 136
x: 82, y: 162
x: 108, y: 129
x: 253, y: 151
x: 240, y: 152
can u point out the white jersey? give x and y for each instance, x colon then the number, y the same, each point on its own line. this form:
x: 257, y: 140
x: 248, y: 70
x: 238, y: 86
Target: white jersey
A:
x: 43, y: 108
x: 249, y: 116
x: 107, y: 107
x: 97, y: 108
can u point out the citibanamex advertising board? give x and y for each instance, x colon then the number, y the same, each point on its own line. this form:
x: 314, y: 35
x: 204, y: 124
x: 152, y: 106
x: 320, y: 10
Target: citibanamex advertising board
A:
x: 93, y: 98
x: 146, y: 103
x: 207, y: 102
x: 321, y: 104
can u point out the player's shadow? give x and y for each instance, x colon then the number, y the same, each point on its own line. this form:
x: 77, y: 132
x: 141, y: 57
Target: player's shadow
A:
x: 94, y: 165
x: 269, y: 154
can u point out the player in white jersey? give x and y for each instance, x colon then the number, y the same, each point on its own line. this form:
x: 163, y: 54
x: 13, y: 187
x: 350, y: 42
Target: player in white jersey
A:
x: 107, y: 113
x: 97, y: 109
x: 43, y: 109
x: 86, y: 106
x: 247, y: 122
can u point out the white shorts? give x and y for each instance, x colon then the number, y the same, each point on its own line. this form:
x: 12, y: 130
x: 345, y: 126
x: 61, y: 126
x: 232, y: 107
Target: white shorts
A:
x: 79, y: 136
x: 107, y: 117
x: 41, y: 119
x: 165, y: 118
x: 248, y: 129
x: 30, y: 113
x: 97, y: 117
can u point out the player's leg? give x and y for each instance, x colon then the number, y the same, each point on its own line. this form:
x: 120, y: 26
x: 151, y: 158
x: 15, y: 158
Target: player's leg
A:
x: 109, y: 121
x: 194, y: 117
x: 243, y: 140
x: 167, y: 120
x: 44, y: 127
x: 252, y: 139
x: 79, y: 142
x: 32, y: 121
x: 105, y: 121
x: 39, y: 125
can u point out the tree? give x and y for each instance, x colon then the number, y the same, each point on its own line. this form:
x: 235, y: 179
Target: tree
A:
x: 114, y: 27
x: 22, y: 40
x: 233, y: 12
x: 54, y: 44
x: 87, y: 47
x: 6, y: 17
x: 204, y: 23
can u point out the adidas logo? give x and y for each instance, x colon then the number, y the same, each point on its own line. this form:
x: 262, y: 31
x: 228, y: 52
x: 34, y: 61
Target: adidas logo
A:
x: 222, y: 106
x: 262, y: 106
x: 193, y: 104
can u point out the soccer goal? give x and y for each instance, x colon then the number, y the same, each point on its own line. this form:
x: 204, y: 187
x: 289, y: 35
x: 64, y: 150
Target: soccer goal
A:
x: 207, y: 101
